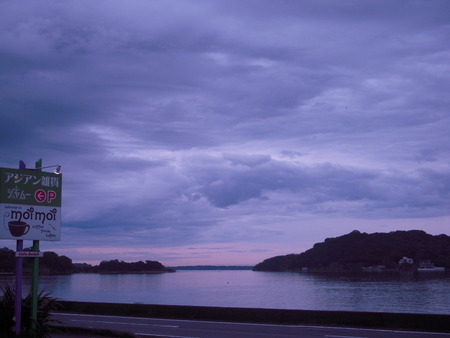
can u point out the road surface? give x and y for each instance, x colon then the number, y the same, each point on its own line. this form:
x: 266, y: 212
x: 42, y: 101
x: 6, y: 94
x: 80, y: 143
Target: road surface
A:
x: 155, y: 327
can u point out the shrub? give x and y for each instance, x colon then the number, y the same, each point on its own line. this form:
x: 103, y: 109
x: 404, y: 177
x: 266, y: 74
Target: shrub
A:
x: 45, y: 305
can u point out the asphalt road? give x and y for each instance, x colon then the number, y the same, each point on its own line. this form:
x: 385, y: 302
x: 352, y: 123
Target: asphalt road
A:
x: 149, y: 327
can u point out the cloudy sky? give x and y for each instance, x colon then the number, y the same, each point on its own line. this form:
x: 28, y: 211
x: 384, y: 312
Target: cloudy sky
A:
x: 227, y: 132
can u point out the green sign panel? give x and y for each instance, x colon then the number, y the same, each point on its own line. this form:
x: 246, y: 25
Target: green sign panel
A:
x: 30, y: 204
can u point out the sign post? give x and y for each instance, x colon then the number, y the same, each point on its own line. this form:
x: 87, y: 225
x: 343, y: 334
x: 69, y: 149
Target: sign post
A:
x: 34, y: 287
x: 35, y: 278
x: 18, y: 299
x: 30, y: 209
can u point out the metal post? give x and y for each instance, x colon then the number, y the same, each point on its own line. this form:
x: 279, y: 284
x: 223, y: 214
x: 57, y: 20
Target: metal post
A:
x: 35, y: 277
x: 35, y: 286
x: 18, y: 299
x: 18, y: 286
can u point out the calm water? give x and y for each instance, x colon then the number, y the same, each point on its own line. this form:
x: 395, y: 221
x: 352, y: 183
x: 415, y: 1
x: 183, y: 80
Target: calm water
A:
x: 307, y: 291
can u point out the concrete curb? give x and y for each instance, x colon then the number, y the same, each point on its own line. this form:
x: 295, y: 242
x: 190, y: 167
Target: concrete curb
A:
x: 63, y: 332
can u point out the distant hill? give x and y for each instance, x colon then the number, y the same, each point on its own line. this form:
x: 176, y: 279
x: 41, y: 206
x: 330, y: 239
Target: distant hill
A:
x: 356, y: 250
x: 213, y: 267
x: 52, y: 263
x: 117, y: 266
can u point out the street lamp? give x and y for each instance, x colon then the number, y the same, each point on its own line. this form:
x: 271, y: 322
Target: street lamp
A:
x: 57, y: 170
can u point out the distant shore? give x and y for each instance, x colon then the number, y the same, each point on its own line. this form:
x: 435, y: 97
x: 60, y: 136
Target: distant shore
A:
x: 213, y: 267
x: 168, y: 270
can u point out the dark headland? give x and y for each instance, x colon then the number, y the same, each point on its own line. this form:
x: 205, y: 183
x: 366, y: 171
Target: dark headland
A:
x: 413, y: 250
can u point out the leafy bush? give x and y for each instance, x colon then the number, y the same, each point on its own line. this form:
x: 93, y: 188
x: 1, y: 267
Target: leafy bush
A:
x: 7, y: 311
x: 45, y: 305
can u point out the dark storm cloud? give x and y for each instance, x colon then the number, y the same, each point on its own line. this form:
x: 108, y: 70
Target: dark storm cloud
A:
x: 386, y: 193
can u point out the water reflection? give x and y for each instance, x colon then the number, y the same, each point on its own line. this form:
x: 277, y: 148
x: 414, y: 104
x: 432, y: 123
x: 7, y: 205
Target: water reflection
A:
x: 380, y: 292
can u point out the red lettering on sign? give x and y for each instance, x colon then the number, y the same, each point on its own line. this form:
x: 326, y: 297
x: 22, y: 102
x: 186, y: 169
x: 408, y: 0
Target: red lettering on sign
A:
x: 40, y: 195
x: 51, y: 195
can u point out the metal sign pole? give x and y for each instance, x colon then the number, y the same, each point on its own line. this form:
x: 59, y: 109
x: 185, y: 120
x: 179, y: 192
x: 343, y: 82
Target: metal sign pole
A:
x: 18, y: 299
x: 35, y: 278
x: 35, y: 287
x: 19, y: 269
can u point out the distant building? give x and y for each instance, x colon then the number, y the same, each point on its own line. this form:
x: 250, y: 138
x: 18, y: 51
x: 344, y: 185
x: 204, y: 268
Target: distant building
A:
x: 375, y: 268
x: 406, y: 260
x: 427, y: 265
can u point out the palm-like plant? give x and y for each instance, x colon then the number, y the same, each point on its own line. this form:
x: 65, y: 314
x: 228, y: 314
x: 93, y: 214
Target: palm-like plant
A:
x: 7, y: 311
x: 45, y: 304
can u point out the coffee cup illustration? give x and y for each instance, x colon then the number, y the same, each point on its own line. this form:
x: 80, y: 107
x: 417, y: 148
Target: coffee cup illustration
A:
x: 18, y: 228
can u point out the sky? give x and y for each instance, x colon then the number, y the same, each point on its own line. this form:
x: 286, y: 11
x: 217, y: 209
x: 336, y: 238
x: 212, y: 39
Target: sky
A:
x: 226, y: 132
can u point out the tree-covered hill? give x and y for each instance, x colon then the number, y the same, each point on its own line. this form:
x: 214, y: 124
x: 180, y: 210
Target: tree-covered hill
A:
x: 357, y: 250
x: 52, y: 263
x: 116, y: 266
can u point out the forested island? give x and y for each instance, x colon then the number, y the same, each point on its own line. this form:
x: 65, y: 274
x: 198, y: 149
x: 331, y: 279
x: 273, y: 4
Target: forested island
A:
x: 400, y: 250
x: 52, y: 263
x: 214, y: 267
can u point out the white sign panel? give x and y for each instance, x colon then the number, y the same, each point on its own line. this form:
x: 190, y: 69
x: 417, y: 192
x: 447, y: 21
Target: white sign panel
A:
x: 30, y: 222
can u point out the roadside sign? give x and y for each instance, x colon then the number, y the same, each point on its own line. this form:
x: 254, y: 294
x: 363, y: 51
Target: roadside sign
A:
x: 29, y: 254
x: 30, y: 205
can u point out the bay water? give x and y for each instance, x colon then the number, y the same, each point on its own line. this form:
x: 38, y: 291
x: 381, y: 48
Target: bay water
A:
x: 373, y: 292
